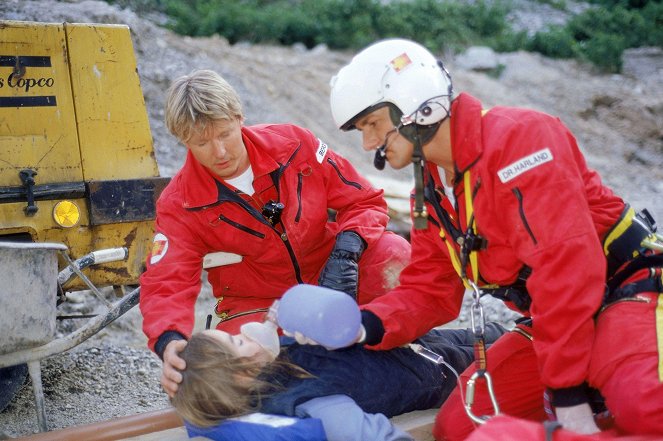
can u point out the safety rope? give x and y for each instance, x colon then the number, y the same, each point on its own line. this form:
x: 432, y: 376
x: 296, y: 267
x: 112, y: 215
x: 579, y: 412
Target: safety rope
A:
x: 468, y: 250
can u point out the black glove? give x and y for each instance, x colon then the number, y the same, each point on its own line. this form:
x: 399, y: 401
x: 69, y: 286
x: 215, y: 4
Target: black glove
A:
x: 342, y: 271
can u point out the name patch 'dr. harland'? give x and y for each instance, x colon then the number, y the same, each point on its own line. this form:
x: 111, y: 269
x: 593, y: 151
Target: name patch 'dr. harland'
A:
x: 525, y: 164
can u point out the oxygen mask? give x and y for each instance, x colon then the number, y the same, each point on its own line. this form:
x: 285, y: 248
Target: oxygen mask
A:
x: 265, y: 334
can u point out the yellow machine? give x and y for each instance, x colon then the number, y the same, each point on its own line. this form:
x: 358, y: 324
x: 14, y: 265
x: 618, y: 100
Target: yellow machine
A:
x: 77, y: 164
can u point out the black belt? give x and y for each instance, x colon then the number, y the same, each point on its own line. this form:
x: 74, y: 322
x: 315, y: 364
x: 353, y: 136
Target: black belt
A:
x: 650, y: 284
x: 637, y: 264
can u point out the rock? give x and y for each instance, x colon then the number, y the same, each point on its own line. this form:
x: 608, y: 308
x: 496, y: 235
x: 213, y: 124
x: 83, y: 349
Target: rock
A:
x: 479, y: 58
x: 643, y: 62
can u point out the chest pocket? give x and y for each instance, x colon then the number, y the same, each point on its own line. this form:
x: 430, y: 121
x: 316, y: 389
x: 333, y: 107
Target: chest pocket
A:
x: 220, y: 219
x: 239, y: 226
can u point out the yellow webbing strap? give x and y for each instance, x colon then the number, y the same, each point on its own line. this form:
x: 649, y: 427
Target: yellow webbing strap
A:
x: 455, y: 260
x: 619, y: 229
x: 469, y: 212
x: 659, y: 335
x: 474, y: 259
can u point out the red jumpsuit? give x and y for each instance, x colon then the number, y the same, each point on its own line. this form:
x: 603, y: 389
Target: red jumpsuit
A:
x: 506, y: 428
x: 198, y: 216
x: 537, y: 205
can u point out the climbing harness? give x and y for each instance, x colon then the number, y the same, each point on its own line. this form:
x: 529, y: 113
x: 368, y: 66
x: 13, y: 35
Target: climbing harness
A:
x: 626, y: 248
x: 630, y: 237
x: 633, y: 245
x: 470, y: 242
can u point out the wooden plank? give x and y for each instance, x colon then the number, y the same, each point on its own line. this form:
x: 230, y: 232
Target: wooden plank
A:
x: 419, y: 423
x: 176, y: 434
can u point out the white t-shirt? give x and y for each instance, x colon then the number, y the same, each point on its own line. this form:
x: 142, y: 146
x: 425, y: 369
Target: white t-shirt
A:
x: 243, y: 182
x: 449, y: 191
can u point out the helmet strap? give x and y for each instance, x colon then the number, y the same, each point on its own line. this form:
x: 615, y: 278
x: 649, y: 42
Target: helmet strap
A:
x: 419, y: 214
x: 412, y: 131
x: 395, y: 114
x: 418, y: 135
x: 423, y: 133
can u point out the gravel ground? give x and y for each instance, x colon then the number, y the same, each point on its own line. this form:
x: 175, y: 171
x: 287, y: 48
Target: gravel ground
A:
x: 113, y: 374
x: 618, y: 121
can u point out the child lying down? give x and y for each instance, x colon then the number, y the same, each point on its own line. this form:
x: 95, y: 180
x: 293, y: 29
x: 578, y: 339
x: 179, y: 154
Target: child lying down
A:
x: 234, y: 388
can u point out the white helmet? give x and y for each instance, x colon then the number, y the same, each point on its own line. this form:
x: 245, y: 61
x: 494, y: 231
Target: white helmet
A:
x: 394, y: 71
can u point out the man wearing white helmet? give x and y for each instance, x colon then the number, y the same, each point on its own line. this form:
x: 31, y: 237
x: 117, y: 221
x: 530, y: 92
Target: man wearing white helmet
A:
x: 505, y: 205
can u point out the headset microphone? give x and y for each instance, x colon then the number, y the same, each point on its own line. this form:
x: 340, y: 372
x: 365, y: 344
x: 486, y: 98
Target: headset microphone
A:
x: 380, y: 154
x: 380, y: 157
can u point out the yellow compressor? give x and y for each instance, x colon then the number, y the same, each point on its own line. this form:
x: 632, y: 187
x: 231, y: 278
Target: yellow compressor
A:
x: 77, y: 164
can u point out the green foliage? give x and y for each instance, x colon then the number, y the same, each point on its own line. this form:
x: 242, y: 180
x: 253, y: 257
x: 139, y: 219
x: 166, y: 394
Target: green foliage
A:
x: 340, y: 24
x: 556, y: 42
x: 602, y: 34
x: 434, y: 24
x: 185, y: 23
x: 615, y: 21
x: 346, y: 24
x: 628, y: 4
x: 604, y: 51
x: 598, y: 35
x: 653, y: 15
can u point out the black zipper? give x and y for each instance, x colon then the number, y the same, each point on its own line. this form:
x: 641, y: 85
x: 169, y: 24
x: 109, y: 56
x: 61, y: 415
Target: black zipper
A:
x: 300, y: 179
x: 232, y: 197
x: 357, y: 185
x: 293, y: 258
x: 521, y: 210
x: 283, y: 236
x: 241, y: 227
x: 276, y: 177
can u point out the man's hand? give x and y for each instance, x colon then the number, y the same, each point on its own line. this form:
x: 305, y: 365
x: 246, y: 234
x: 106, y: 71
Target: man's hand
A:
x: 578, y: 418
x: 342, y: 271
x: 173, y: 364
x: 304, y: 340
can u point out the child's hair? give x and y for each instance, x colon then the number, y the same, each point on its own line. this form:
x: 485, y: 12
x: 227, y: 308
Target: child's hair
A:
x: 217, y: 384
x: 198, y: 99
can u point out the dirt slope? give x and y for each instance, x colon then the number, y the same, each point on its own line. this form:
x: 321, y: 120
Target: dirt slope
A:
x: 618, y: 121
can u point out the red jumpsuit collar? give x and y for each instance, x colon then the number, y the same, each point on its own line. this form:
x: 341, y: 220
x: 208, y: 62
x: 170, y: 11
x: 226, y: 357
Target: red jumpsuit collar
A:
x: 200, y: 185
x: 466, y: 136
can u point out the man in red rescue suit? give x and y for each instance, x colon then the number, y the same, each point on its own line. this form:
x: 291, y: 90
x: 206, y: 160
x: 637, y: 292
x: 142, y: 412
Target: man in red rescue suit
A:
x: 504, y: 204
x: 250, y: 206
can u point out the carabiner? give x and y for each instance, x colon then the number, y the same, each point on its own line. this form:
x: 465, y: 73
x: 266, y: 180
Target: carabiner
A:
x: 469, y: 397
x: 477, y: 310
